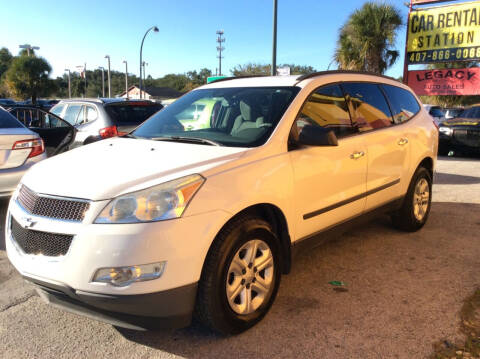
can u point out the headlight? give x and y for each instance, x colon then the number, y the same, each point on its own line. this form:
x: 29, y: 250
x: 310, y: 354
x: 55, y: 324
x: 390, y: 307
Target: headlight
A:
x: 446, y: 130
x: 165, y: 201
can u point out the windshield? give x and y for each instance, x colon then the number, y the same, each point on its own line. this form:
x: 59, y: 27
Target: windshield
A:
x: 472, y: 112
x: 238, y: 117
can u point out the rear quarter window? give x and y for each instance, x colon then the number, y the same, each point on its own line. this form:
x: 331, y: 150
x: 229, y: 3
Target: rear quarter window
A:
x: 131, y: 113
x: 403, y: 104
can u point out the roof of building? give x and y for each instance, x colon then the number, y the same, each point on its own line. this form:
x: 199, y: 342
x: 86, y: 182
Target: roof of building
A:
x: 166, y: 92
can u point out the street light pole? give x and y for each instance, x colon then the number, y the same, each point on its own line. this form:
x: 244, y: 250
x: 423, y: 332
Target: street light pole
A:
x: 274, y: 43
x: 155, y: 29
x: 69, y: 86
x: 126, y: 78
x: 144, y: 74
x: 108, y: 75
x: 28, y: 47
x: 103, y: 80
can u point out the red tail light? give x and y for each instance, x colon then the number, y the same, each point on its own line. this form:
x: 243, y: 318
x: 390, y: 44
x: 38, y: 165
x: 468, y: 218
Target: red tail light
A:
x: 35, y: 144
x: 109, y: 132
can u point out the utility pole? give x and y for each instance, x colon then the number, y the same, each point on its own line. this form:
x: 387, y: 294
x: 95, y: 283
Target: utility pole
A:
x: 220, y: 48
x: 274, y: 42
x: 28, y: 47
x: 103, y: 80
x: 126, y: 78
x: 108, y: 75
x: 69, y: 86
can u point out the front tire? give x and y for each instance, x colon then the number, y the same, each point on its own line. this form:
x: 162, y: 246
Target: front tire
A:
x: 416, y: 205
x: 240, y: 278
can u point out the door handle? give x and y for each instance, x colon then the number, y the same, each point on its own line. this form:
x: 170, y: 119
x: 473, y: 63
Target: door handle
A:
x: 357, y: 155
x: 402, y: 141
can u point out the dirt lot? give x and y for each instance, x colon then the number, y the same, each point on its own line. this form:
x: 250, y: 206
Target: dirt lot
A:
x: 404, y: 294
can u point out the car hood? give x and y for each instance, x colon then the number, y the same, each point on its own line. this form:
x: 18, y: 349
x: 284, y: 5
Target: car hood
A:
x: 462, y: 122
x: 112, y: 167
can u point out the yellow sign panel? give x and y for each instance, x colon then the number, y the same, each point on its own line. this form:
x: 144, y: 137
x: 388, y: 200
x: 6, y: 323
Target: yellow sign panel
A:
x: 444, y: 33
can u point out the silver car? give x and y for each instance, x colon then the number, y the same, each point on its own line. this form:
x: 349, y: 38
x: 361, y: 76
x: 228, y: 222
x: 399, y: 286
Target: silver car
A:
x: 20, y: 149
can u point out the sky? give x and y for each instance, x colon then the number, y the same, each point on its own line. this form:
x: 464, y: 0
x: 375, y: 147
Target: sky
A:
x: 71, y: 33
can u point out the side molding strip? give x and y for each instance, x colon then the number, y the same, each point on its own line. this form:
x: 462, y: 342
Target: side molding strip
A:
x: 349, y: 200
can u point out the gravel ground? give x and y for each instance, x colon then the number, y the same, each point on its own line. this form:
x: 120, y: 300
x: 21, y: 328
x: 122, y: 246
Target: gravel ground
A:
x: 404, y: 294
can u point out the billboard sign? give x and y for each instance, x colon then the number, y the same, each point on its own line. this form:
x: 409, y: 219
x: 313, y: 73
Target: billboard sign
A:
x: 445, y: 82
x: 444, y: 34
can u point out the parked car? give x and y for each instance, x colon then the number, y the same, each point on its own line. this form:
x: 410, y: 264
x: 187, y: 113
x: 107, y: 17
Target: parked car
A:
x: 96, y: 119
x: 45, y: 104
x: 461, y: 134
x: 20, y: 149
x: 452, y: 112
x: 171, y: 221
x: 436, y: 112
x: 6, y: 102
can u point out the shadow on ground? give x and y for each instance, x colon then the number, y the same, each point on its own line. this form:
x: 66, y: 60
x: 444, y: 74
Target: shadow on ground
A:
x: 448, y: 178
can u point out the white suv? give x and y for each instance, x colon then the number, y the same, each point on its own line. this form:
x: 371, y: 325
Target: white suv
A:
x: 172, y: 220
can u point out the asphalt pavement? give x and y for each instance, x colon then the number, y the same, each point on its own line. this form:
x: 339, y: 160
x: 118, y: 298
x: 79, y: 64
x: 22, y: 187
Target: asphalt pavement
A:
x: 404, y: 293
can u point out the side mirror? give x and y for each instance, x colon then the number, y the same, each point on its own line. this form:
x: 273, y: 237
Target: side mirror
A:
x: 317, y: 136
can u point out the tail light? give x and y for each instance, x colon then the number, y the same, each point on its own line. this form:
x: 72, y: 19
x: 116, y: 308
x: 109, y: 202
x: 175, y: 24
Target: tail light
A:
x: 108, y: 132
x: 35, y: 144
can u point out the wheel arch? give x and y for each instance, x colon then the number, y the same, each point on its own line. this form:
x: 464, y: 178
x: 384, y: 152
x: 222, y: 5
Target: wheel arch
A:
x: 276, y: 218
x: 428, y: 164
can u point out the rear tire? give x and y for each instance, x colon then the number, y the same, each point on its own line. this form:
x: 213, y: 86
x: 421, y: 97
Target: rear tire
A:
x: 233, y: 293
x: 416, y: 205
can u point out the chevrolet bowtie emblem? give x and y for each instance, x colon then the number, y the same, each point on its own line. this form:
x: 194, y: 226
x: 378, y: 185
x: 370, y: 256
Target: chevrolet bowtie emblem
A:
x: 29, y: 222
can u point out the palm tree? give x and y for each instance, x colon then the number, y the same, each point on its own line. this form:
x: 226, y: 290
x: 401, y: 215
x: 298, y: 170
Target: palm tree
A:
x: 366, y: 40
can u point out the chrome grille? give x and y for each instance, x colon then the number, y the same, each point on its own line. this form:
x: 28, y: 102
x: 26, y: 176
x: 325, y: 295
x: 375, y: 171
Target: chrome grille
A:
x: 72, y: 210
x: 37, y: 242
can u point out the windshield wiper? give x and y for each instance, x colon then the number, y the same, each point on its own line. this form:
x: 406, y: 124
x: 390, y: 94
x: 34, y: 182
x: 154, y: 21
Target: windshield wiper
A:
x: 129, y: 135
x: 187, y: 140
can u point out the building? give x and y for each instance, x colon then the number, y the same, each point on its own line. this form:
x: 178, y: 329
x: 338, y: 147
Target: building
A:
x: 152, y: 93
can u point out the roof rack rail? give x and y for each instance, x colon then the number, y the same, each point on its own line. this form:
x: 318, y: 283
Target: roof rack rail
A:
x: 320, y: 73
x: 237, y: 77
x: 93, y: 99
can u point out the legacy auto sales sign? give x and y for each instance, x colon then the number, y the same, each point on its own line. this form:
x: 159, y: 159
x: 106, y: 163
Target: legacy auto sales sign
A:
x: 445, y: 82
x: 444, y: 34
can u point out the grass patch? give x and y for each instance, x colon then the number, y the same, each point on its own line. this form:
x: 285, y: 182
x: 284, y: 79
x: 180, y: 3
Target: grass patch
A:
x: 470, y: 326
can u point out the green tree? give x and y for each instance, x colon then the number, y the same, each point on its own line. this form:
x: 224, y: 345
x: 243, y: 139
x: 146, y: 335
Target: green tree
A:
x: 27, y: 77
x: 5, y: 60
x: 367, y: 39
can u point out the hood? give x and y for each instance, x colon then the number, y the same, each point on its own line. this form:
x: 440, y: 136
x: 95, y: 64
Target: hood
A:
x: 461, y: 122
x: 108, y: 168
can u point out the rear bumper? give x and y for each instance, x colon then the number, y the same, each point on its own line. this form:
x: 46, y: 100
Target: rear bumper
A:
x: 171, y: 308
x: 9, y: 178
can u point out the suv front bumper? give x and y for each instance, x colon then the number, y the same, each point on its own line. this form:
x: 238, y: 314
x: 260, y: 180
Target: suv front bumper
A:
x: 167, y: 309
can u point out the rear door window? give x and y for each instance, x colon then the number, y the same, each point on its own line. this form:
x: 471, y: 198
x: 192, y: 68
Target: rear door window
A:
x: 403, y: 104
x: 71, y: 114
x: 370, y: 108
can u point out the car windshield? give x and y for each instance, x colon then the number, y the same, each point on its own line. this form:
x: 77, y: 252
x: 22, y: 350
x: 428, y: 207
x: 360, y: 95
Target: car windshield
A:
x: 234, y: 116
x: 436, y: 112
x: 471, y: 112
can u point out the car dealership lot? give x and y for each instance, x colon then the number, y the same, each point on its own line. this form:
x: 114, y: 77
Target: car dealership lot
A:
x: 404, y: 294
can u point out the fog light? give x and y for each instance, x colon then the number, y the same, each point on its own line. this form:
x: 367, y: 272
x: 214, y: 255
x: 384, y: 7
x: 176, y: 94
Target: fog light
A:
x: 123, y: 276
